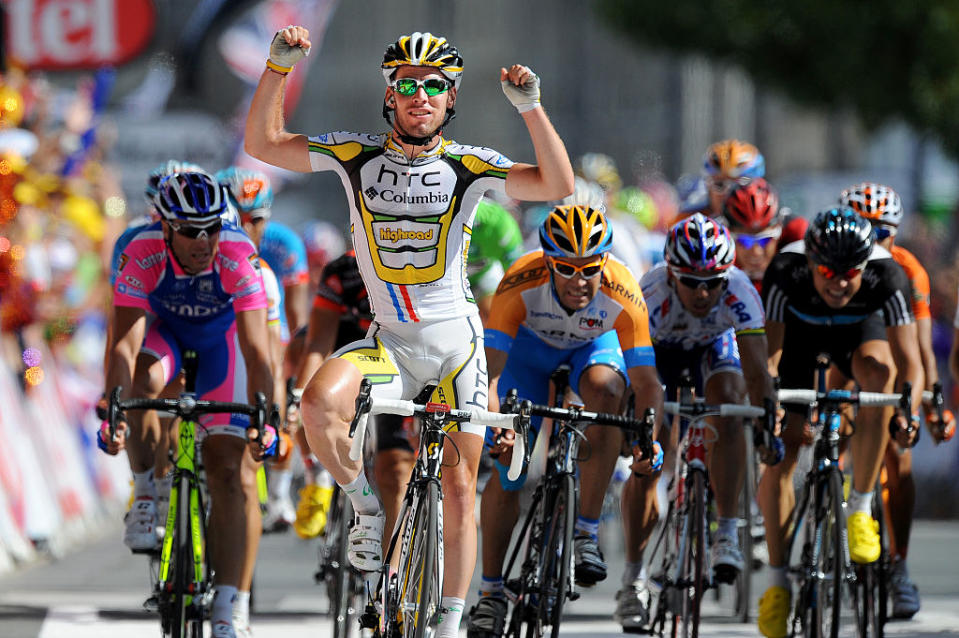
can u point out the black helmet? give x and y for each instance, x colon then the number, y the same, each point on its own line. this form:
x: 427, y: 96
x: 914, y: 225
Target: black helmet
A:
x: 839, y: 239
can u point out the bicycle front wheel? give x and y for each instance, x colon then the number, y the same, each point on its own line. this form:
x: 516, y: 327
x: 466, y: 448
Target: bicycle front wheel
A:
x: 340, y: 576
x: 692, y: 582
x: 421, y: 575
x: 557, y: 559
x: 185, y: 622
x: 829, y: 559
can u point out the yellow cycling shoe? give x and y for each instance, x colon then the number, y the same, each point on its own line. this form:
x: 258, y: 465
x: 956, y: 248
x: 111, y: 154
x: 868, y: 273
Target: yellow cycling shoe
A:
x: 864, y: 544
x: 311, y: 510
x: 774, y: 612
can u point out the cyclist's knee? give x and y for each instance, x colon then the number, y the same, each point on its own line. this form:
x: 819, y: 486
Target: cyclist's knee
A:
x: 602, y: 389
x: 875, y: 373
x: 148, y: 378
x: 330, y: 395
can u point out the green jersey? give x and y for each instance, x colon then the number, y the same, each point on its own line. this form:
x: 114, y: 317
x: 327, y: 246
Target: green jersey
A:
x: 495, y: 244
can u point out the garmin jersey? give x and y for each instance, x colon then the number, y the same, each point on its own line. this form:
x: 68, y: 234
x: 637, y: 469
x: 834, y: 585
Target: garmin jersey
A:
x: 670, y: 324
x: 285, y: 251
x: 918, y: 278
x: 203, y: 304
x: 411, y: 219
x: 526, y: 298
x: 341, y: 290
x: 789, y: 295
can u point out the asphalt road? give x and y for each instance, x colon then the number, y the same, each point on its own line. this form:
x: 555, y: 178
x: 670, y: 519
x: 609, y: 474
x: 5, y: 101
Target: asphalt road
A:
x: 98, y: 589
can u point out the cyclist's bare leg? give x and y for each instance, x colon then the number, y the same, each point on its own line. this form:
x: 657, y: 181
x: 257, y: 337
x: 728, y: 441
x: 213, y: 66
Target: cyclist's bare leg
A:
x: 144, y: 434
x: 234, y: 509
x: 459, y: 501
x: 640, y: 511
x: 328, y: 404
x: 727, y: 455
x: 499, y: 511
x: 776, y: 495
x: 902, y: 498
x: 391, y: 473
x: 875, y: 371
x: 166, y: 443
x: 602, y: 390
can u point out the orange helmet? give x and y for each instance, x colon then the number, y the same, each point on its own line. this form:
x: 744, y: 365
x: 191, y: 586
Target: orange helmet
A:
x: 733, y: 159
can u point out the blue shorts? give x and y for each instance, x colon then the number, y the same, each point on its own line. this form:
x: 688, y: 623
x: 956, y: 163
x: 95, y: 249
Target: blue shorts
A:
x: 530, y: 363
x: 720, y: 355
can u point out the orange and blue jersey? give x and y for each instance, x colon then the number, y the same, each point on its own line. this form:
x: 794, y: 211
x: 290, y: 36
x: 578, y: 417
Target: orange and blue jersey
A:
x: 525, y: 298
x: 919, y: 279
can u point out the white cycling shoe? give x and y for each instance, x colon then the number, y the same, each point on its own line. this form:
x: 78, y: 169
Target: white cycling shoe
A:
x: 366, y: 542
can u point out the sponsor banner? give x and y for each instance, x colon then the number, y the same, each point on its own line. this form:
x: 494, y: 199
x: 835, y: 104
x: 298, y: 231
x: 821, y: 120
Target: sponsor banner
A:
x: 77, y: 34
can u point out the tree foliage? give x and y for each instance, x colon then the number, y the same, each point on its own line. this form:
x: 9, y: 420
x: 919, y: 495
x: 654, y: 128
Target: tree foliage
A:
x: 884, y: 58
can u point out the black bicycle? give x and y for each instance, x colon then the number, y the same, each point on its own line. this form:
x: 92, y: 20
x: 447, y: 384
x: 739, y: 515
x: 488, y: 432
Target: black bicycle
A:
x: 407, y: 601
x: 539, y: 574
x: 825, y: 575
x: 183, y: 590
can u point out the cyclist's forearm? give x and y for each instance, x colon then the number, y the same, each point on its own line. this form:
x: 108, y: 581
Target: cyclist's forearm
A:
x: 926, y: 353
x: 265, y: 136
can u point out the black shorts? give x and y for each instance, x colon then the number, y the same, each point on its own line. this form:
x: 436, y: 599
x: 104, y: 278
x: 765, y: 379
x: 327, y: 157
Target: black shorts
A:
x: 393, y: 432
x: 803, y: 342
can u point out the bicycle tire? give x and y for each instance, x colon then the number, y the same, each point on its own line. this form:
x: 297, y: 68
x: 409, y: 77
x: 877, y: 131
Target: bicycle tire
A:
x: 185, y: 623
x: 829, y: 558
x: 557, y: 560
x: 521, y: 586
x: 341, y: 577
x: 419, y: 591
x: 692, y: 578
x: 869, y: 597
x: 743, y: 586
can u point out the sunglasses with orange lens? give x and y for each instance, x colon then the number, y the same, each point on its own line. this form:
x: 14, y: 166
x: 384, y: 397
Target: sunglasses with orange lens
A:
x: 829, y: 273
x: 586, y: 271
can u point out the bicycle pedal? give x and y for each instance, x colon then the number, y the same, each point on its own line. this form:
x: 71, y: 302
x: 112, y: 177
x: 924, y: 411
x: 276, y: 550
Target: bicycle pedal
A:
x: 573, y: 595
x: 151, y: 604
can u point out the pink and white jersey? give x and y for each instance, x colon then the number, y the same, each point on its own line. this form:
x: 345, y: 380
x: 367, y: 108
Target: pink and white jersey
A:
x: 199, y: 306
x: 670, y: 324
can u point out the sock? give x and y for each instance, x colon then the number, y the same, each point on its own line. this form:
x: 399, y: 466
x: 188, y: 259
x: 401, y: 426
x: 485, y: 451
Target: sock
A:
x: 451, y: 612
x: 728, y: 527
x: 491, y: 587
x: 777, y: 577
x: 279, y: 482
x: 241, y: 609
x: 860, y: 502
x: 223, y: 604
x: 144, y: 484
x: 587, y: 527
x: 361, y: 495
x: 633, y: 573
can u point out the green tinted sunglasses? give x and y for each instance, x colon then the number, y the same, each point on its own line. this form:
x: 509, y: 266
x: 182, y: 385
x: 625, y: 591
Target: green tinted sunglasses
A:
x: 409, y: 86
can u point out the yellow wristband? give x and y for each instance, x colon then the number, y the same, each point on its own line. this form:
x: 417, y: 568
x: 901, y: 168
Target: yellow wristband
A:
x: 276, y: 67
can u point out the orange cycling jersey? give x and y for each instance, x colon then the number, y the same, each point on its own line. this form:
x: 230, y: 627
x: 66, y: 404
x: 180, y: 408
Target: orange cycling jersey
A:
x: 919, y: 279
x: 525, y: 297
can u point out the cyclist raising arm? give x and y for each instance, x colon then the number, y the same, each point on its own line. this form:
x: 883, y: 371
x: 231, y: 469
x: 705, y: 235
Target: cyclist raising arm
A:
x: 199, y: 277
x: 412, y: 196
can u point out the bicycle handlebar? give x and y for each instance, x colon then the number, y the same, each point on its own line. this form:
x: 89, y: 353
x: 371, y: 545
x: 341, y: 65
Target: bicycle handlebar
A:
x: 187, y: 407
x: 867, y: 399
x: 367, y: 405
x: 703, y: 409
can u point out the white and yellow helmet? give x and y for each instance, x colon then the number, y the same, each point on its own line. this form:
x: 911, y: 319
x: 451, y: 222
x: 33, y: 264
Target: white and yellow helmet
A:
x: 423, y: 49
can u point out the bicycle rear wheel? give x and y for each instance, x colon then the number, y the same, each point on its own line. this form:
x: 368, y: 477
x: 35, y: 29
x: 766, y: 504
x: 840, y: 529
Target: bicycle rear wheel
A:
x: 743, y: 584
x: 557, y: 559
x: 829, y: 559
x: 692, y: 580
x: 420, y: 574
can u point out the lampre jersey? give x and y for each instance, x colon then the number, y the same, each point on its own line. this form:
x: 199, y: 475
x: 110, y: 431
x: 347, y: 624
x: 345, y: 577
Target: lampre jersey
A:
x: 411, y: 219
x: 149, y: 278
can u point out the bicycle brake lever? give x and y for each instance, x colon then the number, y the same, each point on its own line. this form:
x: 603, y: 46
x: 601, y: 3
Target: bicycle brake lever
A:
x: 363, y: 403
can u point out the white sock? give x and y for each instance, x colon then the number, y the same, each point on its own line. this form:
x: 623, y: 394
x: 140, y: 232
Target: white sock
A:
x: 361, y: 495
x: 144, y: 485
x: 241, y: 609
x: 451, y: 612
x: 633, y: 573
x: 279, y: 482
x: 777, y: 577
x: 226, y: 595
x: 859, y: 502
x: 728, y: 527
